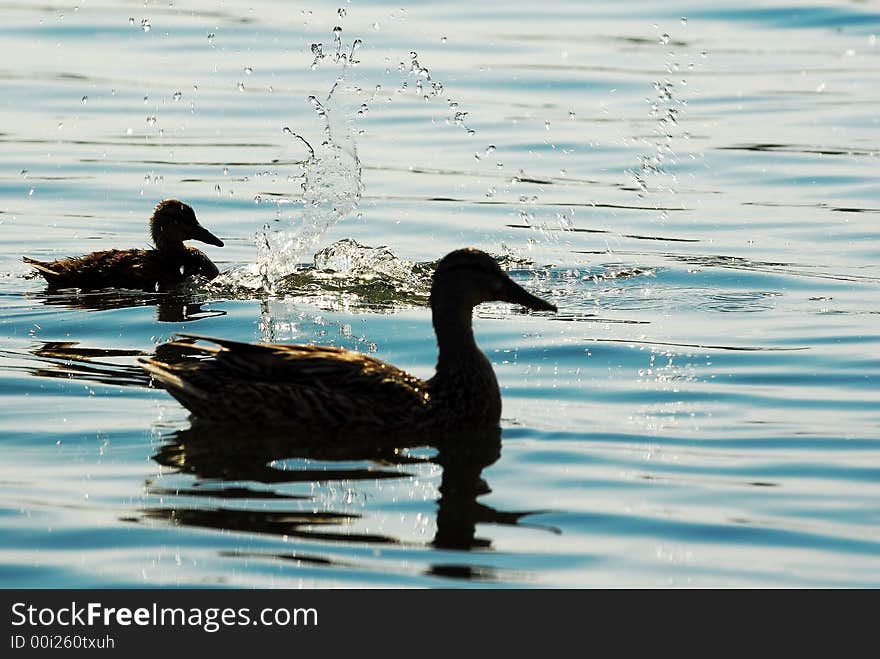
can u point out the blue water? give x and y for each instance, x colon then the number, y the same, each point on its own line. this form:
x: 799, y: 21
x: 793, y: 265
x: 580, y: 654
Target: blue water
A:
x: 698, y: 197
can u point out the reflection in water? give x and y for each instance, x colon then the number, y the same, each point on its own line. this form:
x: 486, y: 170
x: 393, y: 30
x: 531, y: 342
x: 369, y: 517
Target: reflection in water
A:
x: 69, y: 360
x: 170, y: 308
x: 215, y: 457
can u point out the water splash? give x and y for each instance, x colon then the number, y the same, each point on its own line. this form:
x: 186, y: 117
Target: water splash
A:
x: 331, y: 185
x: 344, y: 275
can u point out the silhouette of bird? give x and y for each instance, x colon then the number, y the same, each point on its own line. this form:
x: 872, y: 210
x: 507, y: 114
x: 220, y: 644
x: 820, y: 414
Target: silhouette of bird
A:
x: 333, y: 389
x: 159, y: 269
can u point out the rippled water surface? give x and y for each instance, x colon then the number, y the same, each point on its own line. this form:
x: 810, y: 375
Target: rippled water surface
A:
x: 694, y: 185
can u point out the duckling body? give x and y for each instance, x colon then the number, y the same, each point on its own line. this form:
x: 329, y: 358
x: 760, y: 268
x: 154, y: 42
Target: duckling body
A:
x: 159, y: 269
x: 334, y: 389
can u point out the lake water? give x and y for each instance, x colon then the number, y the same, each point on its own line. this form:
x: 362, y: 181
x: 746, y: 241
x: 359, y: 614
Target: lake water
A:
x: 695, y: 185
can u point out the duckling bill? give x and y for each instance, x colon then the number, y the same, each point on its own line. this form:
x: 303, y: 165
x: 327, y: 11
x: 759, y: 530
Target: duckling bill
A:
x: 158, y: 269
x: 333, y: 389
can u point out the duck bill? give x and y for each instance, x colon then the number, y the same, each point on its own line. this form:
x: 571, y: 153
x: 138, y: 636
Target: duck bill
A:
x: 202, y: 234
x: 516, y: 294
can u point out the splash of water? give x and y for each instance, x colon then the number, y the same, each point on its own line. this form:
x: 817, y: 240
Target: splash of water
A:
x: 331, y: 182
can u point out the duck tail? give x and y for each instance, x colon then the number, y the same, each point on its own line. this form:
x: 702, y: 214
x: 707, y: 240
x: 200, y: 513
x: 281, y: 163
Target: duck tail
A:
x: 42, y: 266
x: 164, y: 374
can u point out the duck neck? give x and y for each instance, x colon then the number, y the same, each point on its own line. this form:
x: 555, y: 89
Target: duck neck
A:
x: 165, y: 244
x: 464, y: 388
x: 455, y: 336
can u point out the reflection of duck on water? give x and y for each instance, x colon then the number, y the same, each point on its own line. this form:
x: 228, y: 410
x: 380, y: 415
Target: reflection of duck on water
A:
x: 336, y: 389
x: 216, y: 455
x: 169, y: 264
x: 68, y: 360
x: 170, y: 307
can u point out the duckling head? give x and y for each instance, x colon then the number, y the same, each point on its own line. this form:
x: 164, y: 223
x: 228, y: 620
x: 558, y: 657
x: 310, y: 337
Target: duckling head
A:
x: 467, y: 277
x: 174, y: 221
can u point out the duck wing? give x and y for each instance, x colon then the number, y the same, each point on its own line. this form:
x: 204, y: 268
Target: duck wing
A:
x: 112, y: 268
x: 140, y: 269
x: 279, y: 384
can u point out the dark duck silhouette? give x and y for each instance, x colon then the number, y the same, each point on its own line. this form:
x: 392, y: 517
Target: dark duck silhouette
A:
x: 333, y: 389
x: 159, y: 269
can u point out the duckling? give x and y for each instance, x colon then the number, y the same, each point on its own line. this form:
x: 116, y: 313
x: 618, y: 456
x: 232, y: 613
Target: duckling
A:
x: 333, y: 389
x: 156, y: 269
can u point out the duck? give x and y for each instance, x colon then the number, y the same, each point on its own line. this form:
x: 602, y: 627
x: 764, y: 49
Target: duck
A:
x: 332, y: 389
x: 158, y: 269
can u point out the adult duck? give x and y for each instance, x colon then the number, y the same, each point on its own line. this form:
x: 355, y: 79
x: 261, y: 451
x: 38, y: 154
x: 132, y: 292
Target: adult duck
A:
x: 333, y: 389
x: 159, y: 269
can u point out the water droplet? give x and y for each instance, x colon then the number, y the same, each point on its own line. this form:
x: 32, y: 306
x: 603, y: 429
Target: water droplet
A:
x: 490, y: 149
x: 376, y: 26
x: 248, y: 70
x: 547, y: 125
x: 413, y: 54
x: 684, y: 20
x: 226, y: 171
x: 85, y: 99
x: 704, y: 53
x: 60, y: 125
x: 217, y: 188
x: 337, y: 30
x: 442, y: 39
x: 341, y: 12
x: 211, y: 37
x: 241, y: 86
x: 664, y: 38
x: 151, y: 120
x: 131, y: 20
x: 31, y: 192
x: 145, y: 25
x: 177, y: 96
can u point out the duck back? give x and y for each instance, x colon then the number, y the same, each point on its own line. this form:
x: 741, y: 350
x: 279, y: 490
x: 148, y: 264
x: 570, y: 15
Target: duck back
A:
x: 140, y: 269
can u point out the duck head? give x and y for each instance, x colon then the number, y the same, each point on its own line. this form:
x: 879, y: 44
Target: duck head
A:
x: 467, y: 277
x: 174, y: 221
